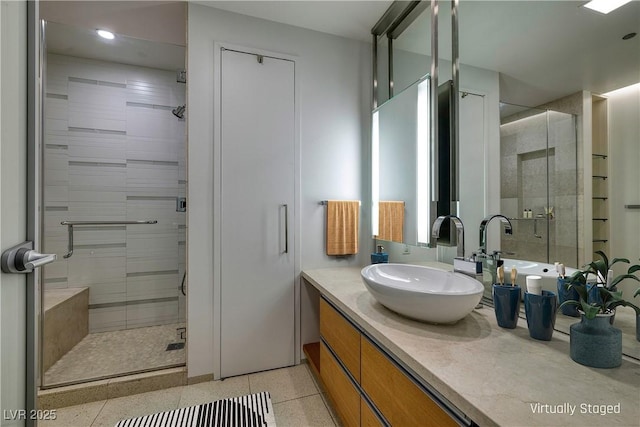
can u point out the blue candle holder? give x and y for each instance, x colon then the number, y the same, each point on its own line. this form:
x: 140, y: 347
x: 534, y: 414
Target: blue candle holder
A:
x: 541, y: 314
x: 506, y: 304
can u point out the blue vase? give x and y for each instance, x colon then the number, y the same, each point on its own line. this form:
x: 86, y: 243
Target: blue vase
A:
x: 506, y: 304
x: 595, y: 342
x: 593, y: 294
x: 564, y: 294
x: 541, y: 314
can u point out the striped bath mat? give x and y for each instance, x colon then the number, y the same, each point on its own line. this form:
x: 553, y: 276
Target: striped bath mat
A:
x: 253, y: 410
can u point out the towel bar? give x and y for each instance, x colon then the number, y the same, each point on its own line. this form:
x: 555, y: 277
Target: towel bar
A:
x: 70, y: 225
x: 324, y: 202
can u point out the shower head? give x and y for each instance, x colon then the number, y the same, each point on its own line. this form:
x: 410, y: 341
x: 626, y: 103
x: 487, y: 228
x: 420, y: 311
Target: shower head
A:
x: 179, y: 111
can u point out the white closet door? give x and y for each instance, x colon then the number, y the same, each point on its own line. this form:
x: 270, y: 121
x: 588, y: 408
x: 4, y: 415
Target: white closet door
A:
x: 257, y: 264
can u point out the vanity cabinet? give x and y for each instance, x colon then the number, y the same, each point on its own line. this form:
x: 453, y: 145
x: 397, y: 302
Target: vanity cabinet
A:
x: 343, y: 338
x: 344, y: 394
x: 366, y: 387
x: 368, y: 418
x: 395, y: 395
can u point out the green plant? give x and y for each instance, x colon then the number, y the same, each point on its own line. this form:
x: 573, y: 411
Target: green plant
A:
x: 608, y: 297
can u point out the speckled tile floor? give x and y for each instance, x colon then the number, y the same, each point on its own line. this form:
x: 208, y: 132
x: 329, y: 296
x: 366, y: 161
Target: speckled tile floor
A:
x: 297, y: 400
x: 116, y: 353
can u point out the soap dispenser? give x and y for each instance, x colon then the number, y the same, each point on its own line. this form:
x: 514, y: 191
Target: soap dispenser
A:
x: 379, y: 256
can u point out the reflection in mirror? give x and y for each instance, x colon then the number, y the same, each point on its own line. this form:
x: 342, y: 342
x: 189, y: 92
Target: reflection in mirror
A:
x: 397, y: 176
x: 411, y: 61
x: 501, y: 62
x: 399, y: 172
x: 551, y: 234
x: 539, y: 184
x: 479, y: 89
x: 382, y: 61
x: 403, y: 151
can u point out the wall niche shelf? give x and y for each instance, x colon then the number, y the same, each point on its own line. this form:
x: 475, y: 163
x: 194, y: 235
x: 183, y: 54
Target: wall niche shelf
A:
x: 600, y: 172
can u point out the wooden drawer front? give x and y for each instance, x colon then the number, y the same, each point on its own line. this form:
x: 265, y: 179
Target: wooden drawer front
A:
x: 343, y: 338
x: 368, y: 418
x: 344, y: 396
x: 399, y: 400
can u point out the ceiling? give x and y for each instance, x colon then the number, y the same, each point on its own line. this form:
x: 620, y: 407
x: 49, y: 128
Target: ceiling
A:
x: 352, y: 19
x: 543, y: 49
x: 153, y: 20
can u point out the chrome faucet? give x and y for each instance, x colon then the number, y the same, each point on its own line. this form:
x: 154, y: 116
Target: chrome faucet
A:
x: 483, y: 230
x: 471, y: 266
x: 435, y: 231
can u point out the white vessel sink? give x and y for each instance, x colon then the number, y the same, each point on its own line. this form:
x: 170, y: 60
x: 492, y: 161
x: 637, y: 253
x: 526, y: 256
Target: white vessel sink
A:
x: 423, y: 293
x: 526, y: 268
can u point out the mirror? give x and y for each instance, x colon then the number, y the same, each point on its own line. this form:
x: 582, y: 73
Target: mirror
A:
x: 502, y: 62
x: 398, y: 213
x: 410, y: 45
x: 399, y: 169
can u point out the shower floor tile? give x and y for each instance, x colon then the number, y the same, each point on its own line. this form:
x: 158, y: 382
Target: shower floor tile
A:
x: 118, y: 352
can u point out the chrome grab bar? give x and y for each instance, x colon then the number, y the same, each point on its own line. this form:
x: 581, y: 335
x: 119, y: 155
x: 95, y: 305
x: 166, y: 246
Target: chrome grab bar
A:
x: 108, y: 222
x: 70, y: 225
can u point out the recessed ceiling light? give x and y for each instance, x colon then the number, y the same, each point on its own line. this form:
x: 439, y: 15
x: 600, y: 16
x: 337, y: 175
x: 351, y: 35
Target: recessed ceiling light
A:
x: 105, y: 34
x: 605, y: 6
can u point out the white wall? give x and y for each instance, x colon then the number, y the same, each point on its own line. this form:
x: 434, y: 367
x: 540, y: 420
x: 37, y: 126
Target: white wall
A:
x: 115, y: 152
x: 624, y: 177
x: 333, y: 76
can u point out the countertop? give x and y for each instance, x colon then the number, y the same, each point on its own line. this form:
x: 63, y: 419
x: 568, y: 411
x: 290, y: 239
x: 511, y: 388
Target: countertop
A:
x: 495, y: 376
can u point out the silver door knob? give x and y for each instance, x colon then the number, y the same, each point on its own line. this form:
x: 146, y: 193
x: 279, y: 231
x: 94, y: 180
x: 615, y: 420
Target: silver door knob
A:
x: 24, y: 259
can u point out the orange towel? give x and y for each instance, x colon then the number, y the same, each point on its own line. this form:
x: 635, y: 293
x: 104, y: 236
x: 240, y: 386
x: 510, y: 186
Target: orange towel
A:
x: 343, y: 220
x: 391, y: 221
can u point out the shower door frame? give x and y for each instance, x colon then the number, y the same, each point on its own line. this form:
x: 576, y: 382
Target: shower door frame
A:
x: 36, y: 196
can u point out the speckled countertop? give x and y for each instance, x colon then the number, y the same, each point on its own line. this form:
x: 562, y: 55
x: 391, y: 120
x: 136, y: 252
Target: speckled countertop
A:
x: 495, y: 376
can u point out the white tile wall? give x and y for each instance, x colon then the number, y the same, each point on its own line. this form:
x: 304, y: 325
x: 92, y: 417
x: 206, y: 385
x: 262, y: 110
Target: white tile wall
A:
x: 97, y: 147
x: 107, y: 319
x: 139, y: 315
x: 114, y: 151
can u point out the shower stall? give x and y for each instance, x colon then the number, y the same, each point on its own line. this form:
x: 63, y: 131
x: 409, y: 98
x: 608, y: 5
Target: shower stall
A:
x: 539, y: 184
x: 114, y: 197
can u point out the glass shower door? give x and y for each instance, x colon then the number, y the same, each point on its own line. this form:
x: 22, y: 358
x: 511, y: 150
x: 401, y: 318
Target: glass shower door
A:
x: 561, y: 211
x: 113, y: 195
x: 539, y: 184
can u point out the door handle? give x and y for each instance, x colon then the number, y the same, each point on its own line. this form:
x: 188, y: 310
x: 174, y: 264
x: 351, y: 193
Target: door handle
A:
x: 24, y: 259
x: 286, y: 228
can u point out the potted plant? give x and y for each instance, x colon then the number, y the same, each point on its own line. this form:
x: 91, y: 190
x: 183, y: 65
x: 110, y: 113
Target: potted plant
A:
x: 594, y: 341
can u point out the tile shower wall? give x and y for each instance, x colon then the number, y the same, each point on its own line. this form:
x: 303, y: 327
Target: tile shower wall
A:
x: 115, y: 152
x: 526, y: 166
